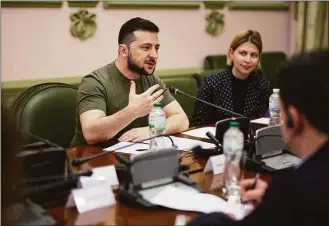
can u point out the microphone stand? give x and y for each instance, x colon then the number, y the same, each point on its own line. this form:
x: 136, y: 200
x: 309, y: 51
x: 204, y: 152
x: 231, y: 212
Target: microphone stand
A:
x: 175, y: 91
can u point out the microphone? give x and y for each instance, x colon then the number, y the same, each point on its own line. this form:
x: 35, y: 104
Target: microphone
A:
x: 214, y: 140
x: 86, y: 173
x: 59, y: 184
x: 79, y: 161
x: 38, y: 144
x: 175, y: 91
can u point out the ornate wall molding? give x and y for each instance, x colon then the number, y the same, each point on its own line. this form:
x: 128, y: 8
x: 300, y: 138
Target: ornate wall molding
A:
x: 215, y: 23
x: 83, y: 24
x: 215, y: 18
x: 150, y: 5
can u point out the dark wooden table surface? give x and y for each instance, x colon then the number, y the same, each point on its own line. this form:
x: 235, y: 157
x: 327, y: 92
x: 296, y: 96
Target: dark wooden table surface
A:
x: 120, y: 214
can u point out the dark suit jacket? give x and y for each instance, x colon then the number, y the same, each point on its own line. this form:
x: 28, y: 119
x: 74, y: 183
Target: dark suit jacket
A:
x: 299, y: 198
x: 217, y: 89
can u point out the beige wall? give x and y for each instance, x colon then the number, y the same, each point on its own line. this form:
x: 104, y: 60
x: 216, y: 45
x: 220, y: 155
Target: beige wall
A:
x: 36, y: 43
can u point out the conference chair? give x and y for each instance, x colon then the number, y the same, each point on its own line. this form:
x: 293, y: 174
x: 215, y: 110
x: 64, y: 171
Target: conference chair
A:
x: 47, y: 110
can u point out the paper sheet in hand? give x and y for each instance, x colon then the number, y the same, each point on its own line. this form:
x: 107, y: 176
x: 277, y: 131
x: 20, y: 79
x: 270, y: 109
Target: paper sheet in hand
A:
x: 181, y: 199
x: 201, y: 132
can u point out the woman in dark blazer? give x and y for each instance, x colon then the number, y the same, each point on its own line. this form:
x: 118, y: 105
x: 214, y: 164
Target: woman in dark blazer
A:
x: 239, y: 88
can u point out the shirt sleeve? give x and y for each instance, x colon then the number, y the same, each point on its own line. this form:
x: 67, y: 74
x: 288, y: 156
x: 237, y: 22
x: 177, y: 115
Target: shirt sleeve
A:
x: 202, y: 112
x: 167, y: 97
x: 91, y: 95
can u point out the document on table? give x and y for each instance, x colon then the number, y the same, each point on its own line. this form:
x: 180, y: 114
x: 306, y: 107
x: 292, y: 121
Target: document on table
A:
x: 181, y: 144
x: 180, y: 198
x: 201, y: 132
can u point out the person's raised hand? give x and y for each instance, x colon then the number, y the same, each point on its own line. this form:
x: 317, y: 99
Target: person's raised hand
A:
x: 142, y: 104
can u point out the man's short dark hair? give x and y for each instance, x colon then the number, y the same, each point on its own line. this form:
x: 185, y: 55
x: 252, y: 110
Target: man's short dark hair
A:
x: 304, y: 84
x: 126, y: 33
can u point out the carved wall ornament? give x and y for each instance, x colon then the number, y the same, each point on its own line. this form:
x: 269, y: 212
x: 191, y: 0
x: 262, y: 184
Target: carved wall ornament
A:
x: 83, y: 24
x: 215, y: 23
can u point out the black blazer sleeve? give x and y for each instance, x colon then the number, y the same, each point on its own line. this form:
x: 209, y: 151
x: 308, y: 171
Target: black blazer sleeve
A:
x: 202, y: 112
x: 264, y: 95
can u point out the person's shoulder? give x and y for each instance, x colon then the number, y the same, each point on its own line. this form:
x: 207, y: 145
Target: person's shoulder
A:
x: 99, y: 75
x: 102, y: 71
x: 217, y: 76
x: 262, y: 83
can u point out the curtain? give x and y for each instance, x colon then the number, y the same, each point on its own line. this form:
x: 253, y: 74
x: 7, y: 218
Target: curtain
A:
x: 312, y: 25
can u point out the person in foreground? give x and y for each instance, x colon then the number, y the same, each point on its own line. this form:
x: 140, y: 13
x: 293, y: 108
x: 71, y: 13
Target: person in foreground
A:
x: 114, y: 101
x: 299, y: 197
x: 239, y: 88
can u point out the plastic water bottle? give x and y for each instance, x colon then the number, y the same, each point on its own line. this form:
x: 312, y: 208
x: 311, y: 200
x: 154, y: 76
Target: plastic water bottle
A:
x: 233, y: 149
x: 274, y: 108
x: 157, y: 126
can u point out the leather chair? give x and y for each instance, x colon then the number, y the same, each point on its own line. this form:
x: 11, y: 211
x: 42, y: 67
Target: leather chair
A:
x: 214, y: 62
x: 201, y: 76
x: 271, y: 62
x: 47, y: 110
x: 187, y: 84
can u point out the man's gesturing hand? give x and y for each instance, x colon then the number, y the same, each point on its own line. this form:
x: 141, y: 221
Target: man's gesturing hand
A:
x: 142, y: 104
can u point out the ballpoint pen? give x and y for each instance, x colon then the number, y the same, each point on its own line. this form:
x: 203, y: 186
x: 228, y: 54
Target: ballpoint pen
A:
x: 255, y: 181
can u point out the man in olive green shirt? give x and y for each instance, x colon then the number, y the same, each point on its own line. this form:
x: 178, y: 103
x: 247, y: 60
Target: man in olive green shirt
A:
x: 114, y: 101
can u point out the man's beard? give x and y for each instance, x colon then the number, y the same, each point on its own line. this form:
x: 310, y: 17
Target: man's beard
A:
x: 135, y: 68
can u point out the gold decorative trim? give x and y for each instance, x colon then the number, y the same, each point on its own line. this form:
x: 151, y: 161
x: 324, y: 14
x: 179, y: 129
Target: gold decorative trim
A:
x: 260, y: 6
x: 150, y: 5
x: 214, y: 5
x: 82, y: 4
x: 31, y: 4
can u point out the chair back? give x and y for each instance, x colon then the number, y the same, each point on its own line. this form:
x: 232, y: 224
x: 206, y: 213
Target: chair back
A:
x: 47, y: 110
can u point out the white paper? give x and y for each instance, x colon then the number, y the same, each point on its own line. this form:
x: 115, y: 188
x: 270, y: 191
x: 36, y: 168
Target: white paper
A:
x: 105, y: 175
x: 216, y: 164
x: 263, y: 121
x: 150, y: 193
x: 186, y: 144
x: 201, y: 132
x: 181, y: 144
x: 129, y: 150
x: 180, y: 199
x: 86, y: 199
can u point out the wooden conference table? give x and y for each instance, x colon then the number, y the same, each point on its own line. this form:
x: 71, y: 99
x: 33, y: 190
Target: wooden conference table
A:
x: 120, y: 214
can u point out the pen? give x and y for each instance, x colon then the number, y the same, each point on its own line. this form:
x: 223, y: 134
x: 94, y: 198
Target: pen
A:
x: 255, y: 181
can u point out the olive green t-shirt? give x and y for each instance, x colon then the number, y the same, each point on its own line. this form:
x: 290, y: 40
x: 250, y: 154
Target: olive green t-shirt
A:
x: 107, y: 89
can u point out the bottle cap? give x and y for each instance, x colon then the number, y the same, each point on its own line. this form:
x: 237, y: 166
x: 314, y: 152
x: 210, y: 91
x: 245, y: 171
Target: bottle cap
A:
x: 157, y: 105
x: 276, y: 90
x: 234, y: 124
